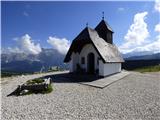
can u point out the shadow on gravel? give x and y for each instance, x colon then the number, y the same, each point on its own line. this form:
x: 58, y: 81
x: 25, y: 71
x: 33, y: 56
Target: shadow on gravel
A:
x: 65, y: 78
x: 14, y: 93
x: 72, y: 78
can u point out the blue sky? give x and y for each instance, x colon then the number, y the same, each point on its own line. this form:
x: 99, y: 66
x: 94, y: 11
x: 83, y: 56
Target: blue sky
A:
x: 40, y: 20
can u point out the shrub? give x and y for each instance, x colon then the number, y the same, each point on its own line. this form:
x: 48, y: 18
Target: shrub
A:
x: 49, y: 89
x: 38, y: 80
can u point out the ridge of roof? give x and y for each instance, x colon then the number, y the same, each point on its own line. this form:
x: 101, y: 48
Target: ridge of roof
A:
x: 84, y: 32
x: 104, y: 23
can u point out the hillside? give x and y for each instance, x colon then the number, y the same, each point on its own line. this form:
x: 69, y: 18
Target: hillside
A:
x: 21, y: 62
x: 144, y: 57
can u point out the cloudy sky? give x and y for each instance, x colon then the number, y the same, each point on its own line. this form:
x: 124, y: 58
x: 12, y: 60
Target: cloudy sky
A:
x: 30, y: 26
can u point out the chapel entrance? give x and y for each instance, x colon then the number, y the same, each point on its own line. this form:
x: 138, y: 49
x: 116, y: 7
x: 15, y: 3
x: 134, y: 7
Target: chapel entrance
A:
x: 91, y: 63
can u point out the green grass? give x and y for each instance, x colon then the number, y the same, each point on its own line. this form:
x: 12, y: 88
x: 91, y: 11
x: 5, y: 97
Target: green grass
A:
x: 38, y: 80
x: 148, y: 69
x: 48, y: 90
x: 9, y: 73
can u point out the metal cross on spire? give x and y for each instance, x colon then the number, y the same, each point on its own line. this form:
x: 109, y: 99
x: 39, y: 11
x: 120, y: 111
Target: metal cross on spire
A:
x: 103, y: 15
x: 87, y: 24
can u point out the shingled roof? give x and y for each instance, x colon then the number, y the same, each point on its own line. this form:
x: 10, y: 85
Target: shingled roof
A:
x: 108, y: 52
x: 103, y: 25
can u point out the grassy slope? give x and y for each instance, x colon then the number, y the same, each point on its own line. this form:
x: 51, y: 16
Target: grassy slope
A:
x: 9, y: 74
x: 148, y: 69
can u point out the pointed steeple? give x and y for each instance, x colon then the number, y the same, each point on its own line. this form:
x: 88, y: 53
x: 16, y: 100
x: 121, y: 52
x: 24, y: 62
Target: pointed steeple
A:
x: 104, y: 25
x: 104, y: 30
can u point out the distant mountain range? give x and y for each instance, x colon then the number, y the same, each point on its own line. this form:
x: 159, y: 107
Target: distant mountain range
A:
x: 143, y: 57
x: 138, y: 53
x: 135, y: 62
x: 22, y: 62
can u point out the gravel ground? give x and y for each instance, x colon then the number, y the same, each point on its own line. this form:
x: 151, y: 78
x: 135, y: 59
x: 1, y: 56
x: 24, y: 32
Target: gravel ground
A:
x: 135, y: 97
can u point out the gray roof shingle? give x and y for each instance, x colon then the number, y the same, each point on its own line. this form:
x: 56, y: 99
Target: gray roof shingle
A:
x: 104, y: 25
x: 109, y: 52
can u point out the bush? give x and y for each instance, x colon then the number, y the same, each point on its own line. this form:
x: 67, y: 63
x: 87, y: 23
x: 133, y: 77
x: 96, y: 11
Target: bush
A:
x: 49, y: 89
x: 46, y: 91
x: 38, y: 80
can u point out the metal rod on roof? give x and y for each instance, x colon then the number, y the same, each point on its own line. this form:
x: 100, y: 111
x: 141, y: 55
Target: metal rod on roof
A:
x: 103, y: 15
x: 87, y: 24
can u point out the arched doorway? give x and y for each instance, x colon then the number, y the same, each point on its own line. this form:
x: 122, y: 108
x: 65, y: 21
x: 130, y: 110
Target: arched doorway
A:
x: 90, y: 63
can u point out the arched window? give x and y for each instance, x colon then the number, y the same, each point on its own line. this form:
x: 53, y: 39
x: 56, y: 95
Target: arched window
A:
x: 82, y: 60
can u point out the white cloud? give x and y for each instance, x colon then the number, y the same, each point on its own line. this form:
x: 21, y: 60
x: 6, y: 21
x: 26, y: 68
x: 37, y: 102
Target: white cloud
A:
x: 137, y: 33
x: 121, y: 9
x: 136, y: 37
x: 61, y: 45
x: 157, y: 27
x: 11, y: 50
x: 25, y: 14
x: 157, y: 5
x: 15, y: 39
x: 25, y: 45
x: 152, y: 47
x: 28, y: 46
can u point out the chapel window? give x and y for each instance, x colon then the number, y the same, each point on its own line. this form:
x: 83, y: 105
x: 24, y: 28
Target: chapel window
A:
x: 82, y: 60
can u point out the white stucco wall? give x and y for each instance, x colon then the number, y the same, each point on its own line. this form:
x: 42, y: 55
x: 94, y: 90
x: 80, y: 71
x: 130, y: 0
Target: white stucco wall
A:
x: 109, y: 68
x: 74, y: 61
x: 71, y: 65
x: 84, y: 53
x: 104, y: 68
x: 101, y: 68
x: 76, y: 58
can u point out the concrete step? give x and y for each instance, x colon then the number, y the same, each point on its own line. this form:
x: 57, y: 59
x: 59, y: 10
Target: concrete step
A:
x: 103, y: 82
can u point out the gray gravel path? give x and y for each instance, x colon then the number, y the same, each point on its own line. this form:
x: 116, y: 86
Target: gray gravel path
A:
x: 136, y: 97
